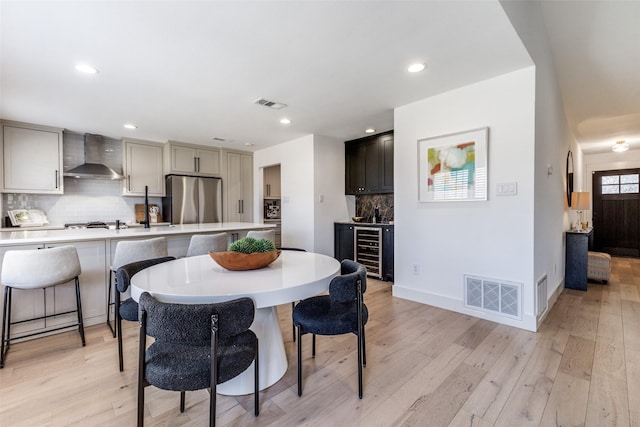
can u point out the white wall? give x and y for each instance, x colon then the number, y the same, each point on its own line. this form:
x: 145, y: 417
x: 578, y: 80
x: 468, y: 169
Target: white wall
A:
x: 492, y: 238
x: 330, y: 201
x: 296, y: 180
x: 309, y: 167
x: 552, y: 143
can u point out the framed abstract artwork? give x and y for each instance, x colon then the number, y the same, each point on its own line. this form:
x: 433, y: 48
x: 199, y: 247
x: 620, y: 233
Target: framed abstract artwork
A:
x: 453, y: 167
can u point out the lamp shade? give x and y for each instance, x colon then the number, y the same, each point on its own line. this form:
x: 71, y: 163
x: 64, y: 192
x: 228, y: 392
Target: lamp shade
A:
x: 580, y: 200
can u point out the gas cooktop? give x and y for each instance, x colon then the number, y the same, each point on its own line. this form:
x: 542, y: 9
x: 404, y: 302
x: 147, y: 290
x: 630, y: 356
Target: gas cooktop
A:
x: 93, y: 224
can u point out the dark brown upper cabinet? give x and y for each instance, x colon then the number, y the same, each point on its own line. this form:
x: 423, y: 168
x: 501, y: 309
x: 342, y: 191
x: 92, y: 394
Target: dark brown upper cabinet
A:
x: 369, y: 164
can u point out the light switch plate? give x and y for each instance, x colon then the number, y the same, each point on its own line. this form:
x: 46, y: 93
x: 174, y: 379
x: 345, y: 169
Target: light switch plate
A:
x: 507, y: 189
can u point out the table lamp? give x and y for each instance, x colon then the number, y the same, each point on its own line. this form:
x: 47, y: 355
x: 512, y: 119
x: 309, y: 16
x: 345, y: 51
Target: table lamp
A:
x: 580, y: 202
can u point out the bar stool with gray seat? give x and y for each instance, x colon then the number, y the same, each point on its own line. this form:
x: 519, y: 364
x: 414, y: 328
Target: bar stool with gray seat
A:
x: 202, y: 244
x: 128, y: 309
x: 35, y: 269
x: 128, y: 251
x: 263, y: 234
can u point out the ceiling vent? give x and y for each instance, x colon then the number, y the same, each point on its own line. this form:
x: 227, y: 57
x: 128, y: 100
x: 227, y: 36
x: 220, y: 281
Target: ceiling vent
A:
x: 271, y: 104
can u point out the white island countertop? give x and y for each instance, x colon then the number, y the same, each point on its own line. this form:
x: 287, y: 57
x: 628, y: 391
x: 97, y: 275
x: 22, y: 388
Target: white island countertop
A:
x: 19, y: 237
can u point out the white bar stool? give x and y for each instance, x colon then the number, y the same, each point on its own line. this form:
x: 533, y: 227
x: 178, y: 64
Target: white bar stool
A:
x: 202, y: 244
x: 128, y: 251
x: 34, y: 269
x: 262, y: 234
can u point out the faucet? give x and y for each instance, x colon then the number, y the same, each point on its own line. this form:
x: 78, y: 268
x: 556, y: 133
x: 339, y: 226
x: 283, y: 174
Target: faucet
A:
x: 146, y: 221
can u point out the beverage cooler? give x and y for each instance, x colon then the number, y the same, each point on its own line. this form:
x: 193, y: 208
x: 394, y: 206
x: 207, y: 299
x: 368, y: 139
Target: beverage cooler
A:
x: 368, y: 249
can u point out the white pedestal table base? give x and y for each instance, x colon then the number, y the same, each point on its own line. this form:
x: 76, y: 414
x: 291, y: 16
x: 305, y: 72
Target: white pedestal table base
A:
x: 272, y: 356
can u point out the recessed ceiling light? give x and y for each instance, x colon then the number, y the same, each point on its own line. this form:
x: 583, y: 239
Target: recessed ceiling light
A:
x: 369, y: 130
x: 130, y: 126
x: 620, y: 146
x: 87, y: 69
x: 248, y: 144
x: 416, y: 68
x: 285, y: 121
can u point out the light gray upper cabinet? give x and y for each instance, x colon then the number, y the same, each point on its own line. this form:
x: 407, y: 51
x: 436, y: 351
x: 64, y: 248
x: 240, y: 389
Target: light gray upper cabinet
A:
x: 32, y: 159
x: 143, y: 166
x: 182, y: 158
x: 237, y: 182
x: 272, y: 182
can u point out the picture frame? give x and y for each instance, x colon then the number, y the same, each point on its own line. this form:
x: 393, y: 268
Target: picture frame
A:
x: 453, y: 167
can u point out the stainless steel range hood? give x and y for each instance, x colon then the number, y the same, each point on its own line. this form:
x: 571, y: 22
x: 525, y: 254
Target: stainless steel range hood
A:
x: 93, y: 166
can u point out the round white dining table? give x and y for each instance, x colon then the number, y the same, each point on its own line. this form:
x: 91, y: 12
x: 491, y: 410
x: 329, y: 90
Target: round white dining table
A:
x: 293, y: 276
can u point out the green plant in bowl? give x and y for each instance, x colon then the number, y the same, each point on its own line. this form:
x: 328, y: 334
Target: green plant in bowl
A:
x: 249, y: 245
x: 247, y: 254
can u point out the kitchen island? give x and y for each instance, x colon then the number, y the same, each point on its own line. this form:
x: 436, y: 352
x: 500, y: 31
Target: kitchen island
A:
x: 96, y: 248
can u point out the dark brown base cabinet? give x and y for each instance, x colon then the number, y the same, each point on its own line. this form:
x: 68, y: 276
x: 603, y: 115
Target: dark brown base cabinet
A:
x: 342, y: 241
x: 387, y: 253
x: 344, y: 245
x: 575, y: 269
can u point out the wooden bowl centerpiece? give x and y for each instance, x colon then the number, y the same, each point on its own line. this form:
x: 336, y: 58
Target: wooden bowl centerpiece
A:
x: 247, y: 254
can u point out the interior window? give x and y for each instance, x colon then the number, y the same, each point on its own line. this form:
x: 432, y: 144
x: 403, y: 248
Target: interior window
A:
x: 621, y: 184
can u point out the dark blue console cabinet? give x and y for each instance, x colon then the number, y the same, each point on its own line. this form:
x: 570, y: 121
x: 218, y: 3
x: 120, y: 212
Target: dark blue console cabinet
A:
x: 575, y: 269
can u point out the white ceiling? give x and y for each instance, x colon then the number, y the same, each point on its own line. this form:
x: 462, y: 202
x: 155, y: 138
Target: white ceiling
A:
x: 190, y: 71
x: 596, y: 49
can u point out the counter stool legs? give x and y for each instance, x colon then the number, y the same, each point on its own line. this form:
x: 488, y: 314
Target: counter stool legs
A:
x: 6, y: 322
x: 118, y: 321
x: 109, y: 304
x: 55, y: 266
x: 6, y: 325
x: 79, y: 307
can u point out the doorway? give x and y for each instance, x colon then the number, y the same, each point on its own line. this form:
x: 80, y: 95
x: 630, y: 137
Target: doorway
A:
x: 616, y: 212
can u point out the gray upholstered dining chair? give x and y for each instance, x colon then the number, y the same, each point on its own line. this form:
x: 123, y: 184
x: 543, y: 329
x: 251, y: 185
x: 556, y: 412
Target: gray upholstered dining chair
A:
x: 34, y: 269
x: 128, y: 251
x: 196, y: 346
x: 128, y: 309
x: 342, y: 311
x: 202, y: 244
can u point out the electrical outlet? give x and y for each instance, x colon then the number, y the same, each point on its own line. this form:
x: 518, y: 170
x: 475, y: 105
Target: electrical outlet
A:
x: 416, y: 269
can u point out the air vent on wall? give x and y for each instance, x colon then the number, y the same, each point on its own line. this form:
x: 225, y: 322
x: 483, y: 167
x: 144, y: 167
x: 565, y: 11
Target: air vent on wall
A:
x: 270, y: 104
x: 541, y: 296
x: 493, y: 296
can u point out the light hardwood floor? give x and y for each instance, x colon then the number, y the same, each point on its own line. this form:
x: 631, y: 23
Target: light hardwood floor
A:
x: 426, y: 367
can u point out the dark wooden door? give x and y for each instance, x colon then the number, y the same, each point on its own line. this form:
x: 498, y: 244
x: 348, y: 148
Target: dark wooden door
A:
x: 371, y: 166
x: 354, y: 168
x: 616, y: 212
x: 386, y: 180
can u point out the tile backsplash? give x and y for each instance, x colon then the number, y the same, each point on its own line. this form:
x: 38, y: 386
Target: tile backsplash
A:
x: 366, y: 204
x: 83, y: 200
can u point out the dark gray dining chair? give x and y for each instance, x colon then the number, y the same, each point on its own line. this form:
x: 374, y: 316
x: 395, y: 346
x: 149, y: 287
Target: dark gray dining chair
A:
x: 196, y: 346
x: 342, y: 311
x: 128, y: 309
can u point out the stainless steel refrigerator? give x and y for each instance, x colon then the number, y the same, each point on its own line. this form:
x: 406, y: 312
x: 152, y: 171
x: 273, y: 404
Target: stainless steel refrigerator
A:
x: 192, y: 200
